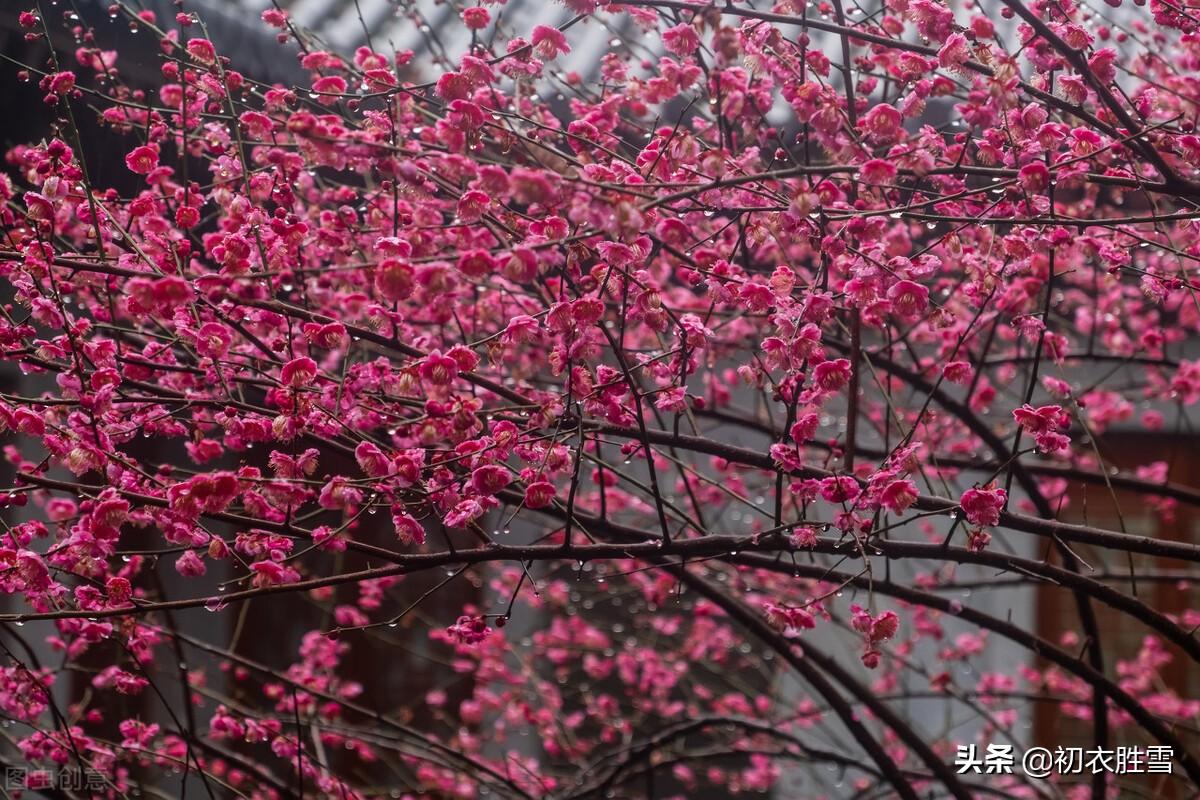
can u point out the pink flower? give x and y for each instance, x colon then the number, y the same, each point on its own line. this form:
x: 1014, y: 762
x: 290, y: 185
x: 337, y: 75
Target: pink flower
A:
x: 520, y: 329
x: 804, y: 536
x: 223, y: 725
x: 329, y: 336
x: 682, y: 39
x: 465, y: 512
x: 805, y: 428
x: 119, y: 590
x: 473, y: 205
x: 883, y: 123
x: 206, y: 493
x: 673, y: 400
x: 113, y: 677
x: 469, y: 630
x: 539, y: 494
x: 202, y: 50
x: 789, y: 620
x: 521, y: 266
x: 548, y: 42
x: 877, y: 170
x: 408, y: 529
x: 408, y: 467
x: 978, y: 540
x: 213, y: 340
x: 339, y: 493
x: 1041, y: 419
x: 453, y: 86
x: 786, y: 457
x: 955, y: 52
x: 142, y: 159
x: 38, y: 208
x: 28, y: 422
x: 298, y: 372
x: 959, y: 372
x: 1034, y: 177
x: 1044, y: 423
x: 187, y: 216
x: 381, y: 80
x: 1103, y: 64
x: 982, y: 506
x: 885, y: 626
x: 371, y: 460
x: 272, y: 573
x: 875, y: 631
x: 476, y: 263
x: 329, y: 87
x: 190, y: 565
x: 830, y: 376
x: 438, y: 369
x: 489, y: 479
x: 60, y: 83
x: 909, y: 299
x: 897, y: 496
x: 839, y: 489
x: 394, y: 279
x: 449, y: 286
x: 934, y: 20
x: 476, y: 18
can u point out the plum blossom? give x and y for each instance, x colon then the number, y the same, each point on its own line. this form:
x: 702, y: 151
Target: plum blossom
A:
x: 549, y: 42
x: 875, y: 629
x: 982, y: 505
x: 469, y: 630
x: 1044, y: 423
x: 665, y: 355
x: 831, y: 376
x: 681, y: 39
x: 790, y: 620
x: 142, y: 159
x: 298, y: 372
x: 882, y: 123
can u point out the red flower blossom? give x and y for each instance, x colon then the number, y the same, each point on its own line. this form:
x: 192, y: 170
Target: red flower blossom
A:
x: 982, y: 506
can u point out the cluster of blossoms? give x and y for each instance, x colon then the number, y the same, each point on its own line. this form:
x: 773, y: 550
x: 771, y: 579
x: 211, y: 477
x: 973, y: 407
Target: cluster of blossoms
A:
x: 679, y: 397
